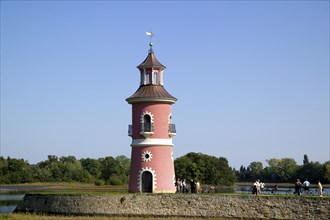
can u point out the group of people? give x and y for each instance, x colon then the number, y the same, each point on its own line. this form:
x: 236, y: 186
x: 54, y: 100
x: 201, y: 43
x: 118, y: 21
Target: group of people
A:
x: 181, y: 186
x: 306, y: 184
x: 258, y: 186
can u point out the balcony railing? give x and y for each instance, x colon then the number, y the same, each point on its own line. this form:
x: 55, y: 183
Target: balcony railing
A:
x: 130, y: 130
x: 147, y: 129
x: 171, y: 130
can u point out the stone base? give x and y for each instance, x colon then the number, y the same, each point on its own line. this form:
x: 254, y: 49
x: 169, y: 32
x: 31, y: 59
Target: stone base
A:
x: 179, y: 205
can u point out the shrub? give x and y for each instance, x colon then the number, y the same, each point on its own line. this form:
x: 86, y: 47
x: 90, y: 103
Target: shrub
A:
x: 99, y: 182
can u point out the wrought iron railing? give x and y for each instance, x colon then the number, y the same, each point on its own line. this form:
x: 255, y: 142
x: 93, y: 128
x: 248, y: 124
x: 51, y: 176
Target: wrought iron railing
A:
x: 147, y: 127
x: 171, y: 129
x: 130, y: 130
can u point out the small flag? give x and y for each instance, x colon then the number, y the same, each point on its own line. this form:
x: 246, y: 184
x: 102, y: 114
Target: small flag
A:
x: 149, y: 34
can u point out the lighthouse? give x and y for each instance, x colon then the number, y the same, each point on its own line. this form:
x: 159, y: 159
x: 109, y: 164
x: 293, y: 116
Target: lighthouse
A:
x: 152, y: 162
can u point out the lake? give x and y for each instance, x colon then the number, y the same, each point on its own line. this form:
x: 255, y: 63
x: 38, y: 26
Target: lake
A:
x: 10, y: 196
x: 8, y: 202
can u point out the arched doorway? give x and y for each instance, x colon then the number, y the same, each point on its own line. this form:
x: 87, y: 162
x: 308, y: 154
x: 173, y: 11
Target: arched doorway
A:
x: 146, y: 181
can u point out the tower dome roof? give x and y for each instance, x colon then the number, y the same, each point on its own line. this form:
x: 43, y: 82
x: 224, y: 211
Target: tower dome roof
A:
x: 151, y: 93
x: 151, y: 86
x: 151, y: 61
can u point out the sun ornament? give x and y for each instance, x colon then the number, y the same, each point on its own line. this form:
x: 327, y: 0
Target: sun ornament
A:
x: 146, y: 156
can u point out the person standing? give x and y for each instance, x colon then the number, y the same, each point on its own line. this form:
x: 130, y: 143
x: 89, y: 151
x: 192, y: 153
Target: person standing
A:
x: 297, y: 186
x: 177, y: 185
x: 262, y: 187
x: 275, y: 190
x: 306, y: 184
x: 198, y: 187
x: 184, y: 186
x: 256, y: 187
x: 180, y: 185
x: 192, y: 186
x: 320, y: 188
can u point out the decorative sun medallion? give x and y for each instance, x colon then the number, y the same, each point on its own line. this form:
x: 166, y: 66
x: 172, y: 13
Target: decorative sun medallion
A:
x: 146, y: 156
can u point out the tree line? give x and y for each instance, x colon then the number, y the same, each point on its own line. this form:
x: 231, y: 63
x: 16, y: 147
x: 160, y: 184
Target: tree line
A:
x: 108, y: 170
x: 115, y: 170
x: 285, y: 170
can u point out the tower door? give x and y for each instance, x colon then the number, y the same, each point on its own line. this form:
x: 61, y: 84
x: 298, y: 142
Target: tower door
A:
x: 146, y: 181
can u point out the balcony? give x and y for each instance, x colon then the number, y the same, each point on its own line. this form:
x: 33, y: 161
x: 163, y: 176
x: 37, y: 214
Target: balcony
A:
x: 147, y: 129
x: 130, y: 130
x: 171, y: 130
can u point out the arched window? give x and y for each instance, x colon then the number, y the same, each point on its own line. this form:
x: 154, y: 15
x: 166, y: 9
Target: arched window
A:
x: 155, y: 78
x: 148, y: 78
x: 171, y: 127
x: 146, y: 123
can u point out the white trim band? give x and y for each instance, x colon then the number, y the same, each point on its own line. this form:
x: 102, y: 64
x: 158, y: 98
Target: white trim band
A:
x: 152, y: 141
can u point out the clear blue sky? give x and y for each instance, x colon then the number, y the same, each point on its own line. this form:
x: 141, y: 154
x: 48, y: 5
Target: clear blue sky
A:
x: 251, y: 77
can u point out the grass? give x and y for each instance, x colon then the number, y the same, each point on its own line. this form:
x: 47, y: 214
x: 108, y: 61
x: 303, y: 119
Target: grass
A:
x: 66, y: 184
x: 69, y: 187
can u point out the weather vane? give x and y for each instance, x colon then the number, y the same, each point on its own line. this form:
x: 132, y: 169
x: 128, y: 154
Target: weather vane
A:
x: 150, y: 34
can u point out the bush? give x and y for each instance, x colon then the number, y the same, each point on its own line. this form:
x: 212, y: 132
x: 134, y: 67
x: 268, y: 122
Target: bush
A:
x: 117, y: 180
x: 99, y: 182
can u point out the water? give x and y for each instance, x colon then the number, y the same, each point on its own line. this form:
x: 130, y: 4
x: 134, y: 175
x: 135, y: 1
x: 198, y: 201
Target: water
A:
x: 10, y: 196
x: 8, y: 202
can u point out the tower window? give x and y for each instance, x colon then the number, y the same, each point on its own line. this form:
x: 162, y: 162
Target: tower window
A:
x: 147, y: 123
x: 171, y: 127
x: 148, y: 78
x: 155, y: 78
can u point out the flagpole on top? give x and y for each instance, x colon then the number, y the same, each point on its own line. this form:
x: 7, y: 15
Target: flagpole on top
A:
x: 150, y: 34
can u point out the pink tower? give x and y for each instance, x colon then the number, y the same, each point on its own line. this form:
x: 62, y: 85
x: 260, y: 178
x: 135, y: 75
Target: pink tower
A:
x: 152, y: 163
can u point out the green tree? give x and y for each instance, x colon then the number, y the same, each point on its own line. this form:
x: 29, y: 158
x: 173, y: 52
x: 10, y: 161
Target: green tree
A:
x: 327, y: 171
x: 256, y: 170
x: 93, y: 167
x: 313, y: 171
x: 3, y: 170
x: 241, y: 174
x: 112, y: 172
x: 282, y: 170
x: 184, y: 168
x: 205, y: 168
x: 71, y: 169
x: 227, y: 176
x: 306, y: 160
x: 124, y: 163
x: 17, y: 171
x: 49, y: 170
